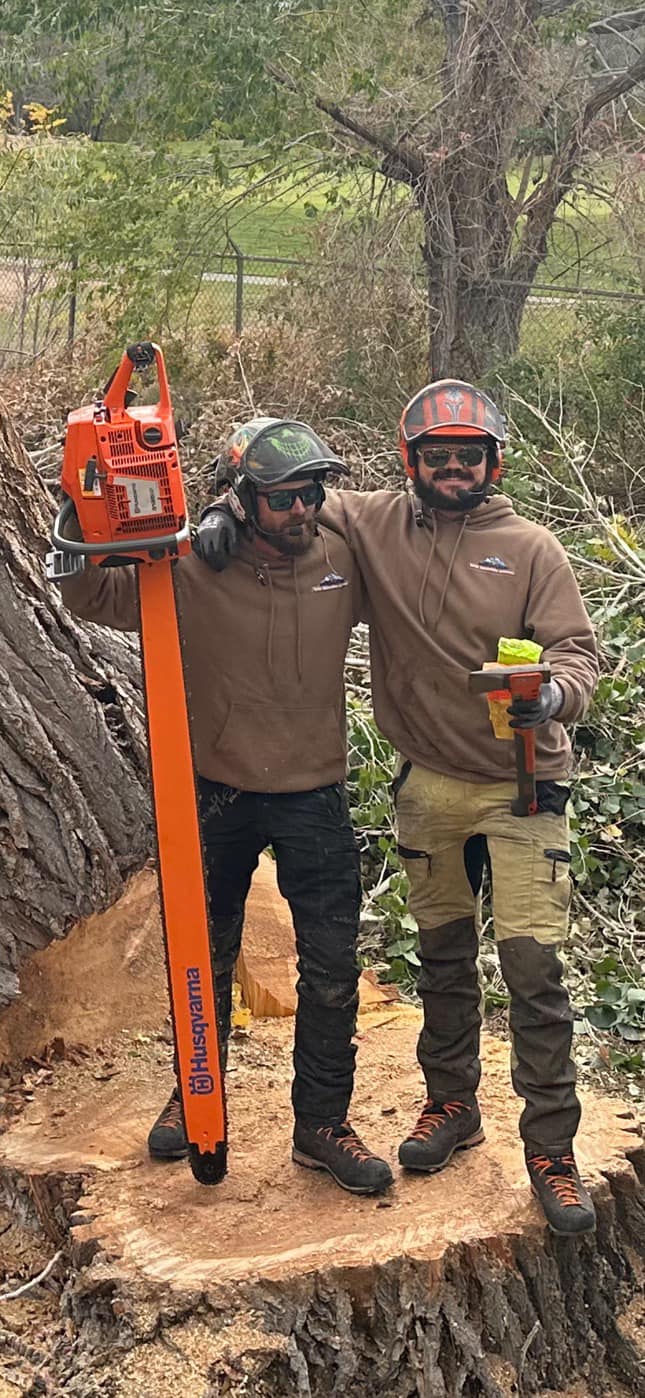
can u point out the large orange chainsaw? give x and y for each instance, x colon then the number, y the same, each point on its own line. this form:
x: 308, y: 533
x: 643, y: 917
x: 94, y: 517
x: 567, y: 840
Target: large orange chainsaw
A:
x: 122, y: 478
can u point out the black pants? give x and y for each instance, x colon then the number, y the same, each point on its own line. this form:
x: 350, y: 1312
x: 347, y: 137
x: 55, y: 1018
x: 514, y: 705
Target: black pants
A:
x: 319, y: 875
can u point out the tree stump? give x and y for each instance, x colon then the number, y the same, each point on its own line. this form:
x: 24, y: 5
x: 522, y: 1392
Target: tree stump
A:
x: 74, y: 810
x: 277, y: 1283
x: 267, y: 965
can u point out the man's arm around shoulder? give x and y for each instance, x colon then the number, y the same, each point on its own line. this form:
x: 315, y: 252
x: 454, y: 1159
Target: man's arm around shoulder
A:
x: 348, y: 512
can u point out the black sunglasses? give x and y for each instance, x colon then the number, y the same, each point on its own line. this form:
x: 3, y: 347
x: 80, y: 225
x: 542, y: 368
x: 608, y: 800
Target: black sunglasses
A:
x: 312, y: 494
x: 440, y: 456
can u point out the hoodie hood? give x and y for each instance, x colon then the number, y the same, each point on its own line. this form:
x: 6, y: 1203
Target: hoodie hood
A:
x: 491, y: 512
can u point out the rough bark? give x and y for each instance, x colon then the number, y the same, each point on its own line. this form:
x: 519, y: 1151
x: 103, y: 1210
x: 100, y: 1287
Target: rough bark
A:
x: 74, y: 814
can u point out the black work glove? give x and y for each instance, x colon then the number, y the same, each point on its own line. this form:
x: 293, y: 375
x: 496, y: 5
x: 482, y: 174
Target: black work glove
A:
x: 216, y: 538
x: 530, y: 713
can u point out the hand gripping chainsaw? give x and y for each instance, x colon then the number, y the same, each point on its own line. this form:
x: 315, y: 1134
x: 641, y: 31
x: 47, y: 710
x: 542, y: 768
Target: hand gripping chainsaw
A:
x: 121, y: 476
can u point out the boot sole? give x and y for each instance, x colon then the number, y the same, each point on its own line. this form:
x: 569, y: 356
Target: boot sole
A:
x: 168, y: 1155
x: 564, y: 1232
x: 475, y: 1140
x: 311, y: 1164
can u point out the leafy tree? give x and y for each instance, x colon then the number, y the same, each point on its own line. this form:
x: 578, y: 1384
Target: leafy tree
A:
x: 486, y: 117
x: 125, y: 69
x: 444, y: 99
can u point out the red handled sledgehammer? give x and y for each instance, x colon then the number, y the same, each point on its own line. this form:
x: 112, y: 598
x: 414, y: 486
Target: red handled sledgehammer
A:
x: 522, y: 682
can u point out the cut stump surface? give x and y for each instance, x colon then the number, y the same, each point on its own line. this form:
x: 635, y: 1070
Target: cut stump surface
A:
x: 275, y: 1284
x: 447, y: 1276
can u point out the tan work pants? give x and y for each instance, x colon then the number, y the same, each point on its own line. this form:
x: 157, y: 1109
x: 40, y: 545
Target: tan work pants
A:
x: 529, y: 863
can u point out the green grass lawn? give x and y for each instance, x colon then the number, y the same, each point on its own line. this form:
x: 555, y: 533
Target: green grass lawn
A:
x: 281, y: 222
x: 586, y: 245
x: 584, y: 250
x: 278, y: 221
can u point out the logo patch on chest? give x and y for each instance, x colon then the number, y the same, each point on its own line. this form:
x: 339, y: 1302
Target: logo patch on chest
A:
x: 493, y: 564
x: 330, y: 582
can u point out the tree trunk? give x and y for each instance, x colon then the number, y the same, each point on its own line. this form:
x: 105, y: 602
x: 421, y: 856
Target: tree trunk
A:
x: 74, y: 811
x: 488, y: 327
x: 472, y: 325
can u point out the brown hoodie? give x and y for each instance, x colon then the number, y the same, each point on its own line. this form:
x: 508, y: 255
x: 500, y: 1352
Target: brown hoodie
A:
x: 264, y: 646
x: 441, y: 589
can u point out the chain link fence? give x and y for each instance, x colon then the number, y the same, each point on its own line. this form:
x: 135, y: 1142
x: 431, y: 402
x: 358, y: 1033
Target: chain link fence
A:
x: 552, y: 315
x: 37, y: 304
x: 45, y: 305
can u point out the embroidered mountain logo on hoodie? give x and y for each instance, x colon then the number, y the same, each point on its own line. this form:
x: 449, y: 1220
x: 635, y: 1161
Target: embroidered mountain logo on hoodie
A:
x: 329, y: 582
x: 493, y: 564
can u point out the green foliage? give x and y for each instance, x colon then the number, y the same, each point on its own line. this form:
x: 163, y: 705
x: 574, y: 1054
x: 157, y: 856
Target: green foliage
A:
x: 257, y: 70
x: 594, y: 376
x: 619, y: 1002
x: 609, y: 794
x: 116, y: 219
x: 403, y: 956
x: 387, y: 926
x: 125, y: 69
x: 371, y: 769
x: 572, y: 22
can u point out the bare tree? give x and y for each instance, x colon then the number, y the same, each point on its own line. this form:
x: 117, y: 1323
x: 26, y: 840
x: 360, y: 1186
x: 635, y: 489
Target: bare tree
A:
x: 496, y: 75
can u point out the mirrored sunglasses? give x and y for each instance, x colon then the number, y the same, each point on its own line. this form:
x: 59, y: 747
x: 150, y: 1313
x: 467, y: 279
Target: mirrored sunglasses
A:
x: 312, y: 494
x: 439, y: 457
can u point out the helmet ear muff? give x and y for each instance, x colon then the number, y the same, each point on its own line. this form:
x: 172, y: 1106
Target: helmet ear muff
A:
x: 495, y: 462
x: 410, y: 458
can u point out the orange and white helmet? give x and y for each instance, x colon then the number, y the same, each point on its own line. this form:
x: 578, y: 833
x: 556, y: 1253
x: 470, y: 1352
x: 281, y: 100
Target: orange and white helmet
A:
x: 450, y: 408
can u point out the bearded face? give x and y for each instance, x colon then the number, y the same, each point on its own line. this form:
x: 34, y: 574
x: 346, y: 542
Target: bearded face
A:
x: 452, y: 474
x: 286, y: 516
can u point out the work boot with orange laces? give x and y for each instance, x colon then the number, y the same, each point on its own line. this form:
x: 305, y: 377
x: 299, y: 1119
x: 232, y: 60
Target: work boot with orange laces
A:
x: 167, y: 1139
x: 442, y: 1128
x: 336, y: 1148
x: 557, y: 1186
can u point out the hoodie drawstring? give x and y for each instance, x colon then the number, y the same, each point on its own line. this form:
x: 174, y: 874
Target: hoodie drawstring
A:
x: 298, y: 620
x: 450, y: 568
x: 264, y: 576
x: 422, y: 614
x: 426, y: 571
x: 266, y: 573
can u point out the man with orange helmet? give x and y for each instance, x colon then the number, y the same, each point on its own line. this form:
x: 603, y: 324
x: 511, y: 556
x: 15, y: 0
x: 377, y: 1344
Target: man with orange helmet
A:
x: 449, y: 568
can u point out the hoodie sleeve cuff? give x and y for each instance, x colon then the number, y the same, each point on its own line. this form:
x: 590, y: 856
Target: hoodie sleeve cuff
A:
x: 573, y: 705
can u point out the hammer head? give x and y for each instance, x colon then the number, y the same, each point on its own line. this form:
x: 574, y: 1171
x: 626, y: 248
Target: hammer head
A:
x: 516, y: 678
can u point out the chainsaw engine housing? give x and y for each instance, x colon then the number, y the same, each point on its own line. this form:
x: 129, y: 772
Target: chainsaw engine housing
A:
x: 121, y: 469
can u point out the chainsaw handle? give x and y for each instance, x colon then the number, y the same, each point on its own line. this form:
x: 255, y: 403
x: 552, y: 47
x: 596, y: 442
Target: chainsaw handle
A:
x: 128, y: 546
x: 138, y: 356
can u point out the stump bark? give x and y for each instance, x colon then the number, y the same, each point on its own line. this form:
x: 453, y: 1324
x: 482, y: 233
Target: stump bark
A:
x: 74, y: 810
